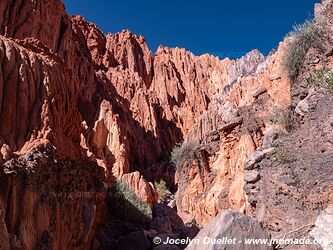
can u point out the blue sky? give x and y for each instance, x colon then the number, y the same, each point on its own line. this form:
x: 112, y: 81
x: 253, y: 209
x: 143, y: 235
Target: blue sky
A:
x: 224, y: 28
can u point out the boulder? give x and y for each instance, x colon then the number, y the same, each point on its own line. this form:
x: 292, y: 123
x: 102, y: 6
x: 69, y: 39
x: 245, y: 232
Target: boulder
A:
x: 252, y: 176
x: 167, y: 221
x: 255, y: 157
x: 323, y: 230
x: 172, y: 203
x: 259, y: 91
x: 233, y: 123
x: 302, y: 107
x: 232, y: 227
x: 270, y: 136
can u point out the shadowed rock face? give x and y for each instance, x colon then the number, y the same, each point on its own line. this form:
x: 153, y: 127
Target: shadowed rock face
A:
x: 43, y: 20
x: 107, y: 101
x: 50, y: 203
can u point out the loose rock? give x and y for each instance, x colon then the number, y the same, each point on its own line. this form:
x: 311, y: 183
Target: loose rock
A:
x: 323, y: 231
x: 252, y: 176
x: 233, y: 123
x: 259, y: 92
x: 302, y: 107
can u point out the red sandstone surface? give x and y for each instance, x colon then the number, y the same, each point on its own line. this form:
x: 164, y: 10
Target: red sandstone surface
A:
x: 80, y: 110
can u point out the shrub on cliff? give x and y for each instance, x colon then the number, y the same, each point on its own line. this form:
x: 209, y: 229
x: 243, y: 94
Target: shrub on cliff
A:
x: 184, y: 154
x: 321, y: 79
x: 162, y: 190
x: 125, y: 204
x: 305, y: 36
x: 284, y: 156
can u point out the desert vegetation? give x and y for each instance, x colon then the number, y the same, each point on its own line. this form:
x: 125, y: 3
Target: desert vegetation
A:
x: 185, y: 153
x: 305, y: 36
x: 284, y: 155
x: 127, y: 205
x: 161, y: 189
x: 321, y: 78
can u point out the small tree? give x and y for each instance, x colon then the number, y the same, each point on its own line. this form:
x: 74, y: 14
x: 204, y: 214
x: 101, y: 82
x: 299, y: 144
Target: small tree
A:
x: 162, y: 189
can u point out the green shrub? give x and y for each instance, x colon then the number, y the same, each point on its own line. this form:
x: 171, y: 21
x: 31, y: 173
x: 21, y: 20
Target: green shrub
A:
x: 306, y: 36
x: 125, y: 204
x: 322, y: 79
x: 184, y: 154
x: 284, y: 156
x: 162, y: 189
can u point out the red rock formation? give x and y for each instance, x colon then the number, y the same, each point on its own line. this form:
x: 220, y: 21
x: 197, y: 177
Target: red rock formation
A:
x: 125, y: 108
x: 130, y: 52
x: 108, y: 100
x: 36, y: 104
x: 66, y: 80
x: 50, y: 203
x: 43, y: 20
x: 140, y: 186
x: 259, y: 100
x: 239, y: 120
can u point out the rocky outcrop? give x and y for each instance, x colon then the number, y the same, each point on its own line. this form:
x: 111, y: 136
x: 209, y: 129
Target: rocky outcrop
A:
x: 50, y: 203
x: 36, y: 100
x: 45, y: 80
x: 99, y: 80
x: 231, y: 129
x: 296, y: 173
x: 141, y: 187
x: 183, y: 80
x: 231, y: 230
x: 294, y: 180
x: 107, y: 101
x: 24, y: 19
x: 130, y: 52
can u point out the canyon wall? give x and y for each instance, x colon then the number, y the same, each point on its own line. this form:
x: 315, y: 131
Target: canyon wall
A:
x: 230, y: 130
x: 80, y: 109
